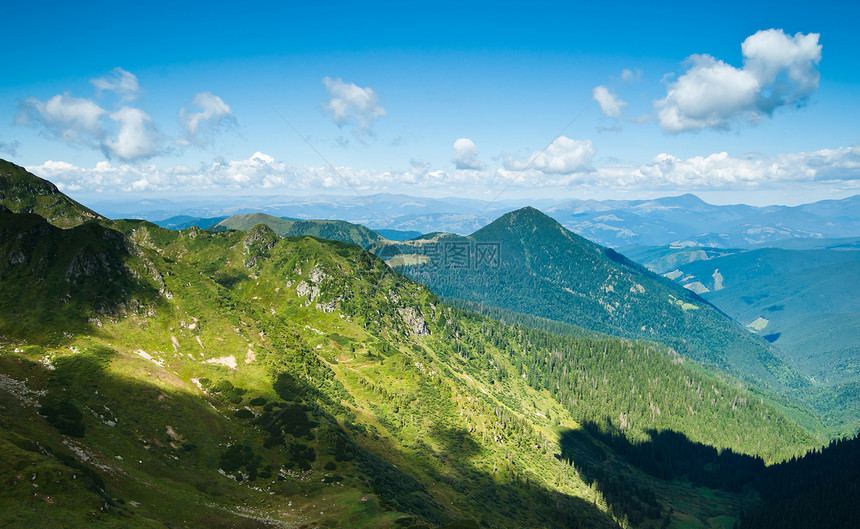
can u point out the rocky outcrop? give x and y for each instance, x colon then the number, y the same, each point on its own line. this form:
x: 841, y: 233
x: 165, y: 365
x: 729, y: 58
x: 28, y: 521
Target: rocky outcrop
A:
x: 414, y: 321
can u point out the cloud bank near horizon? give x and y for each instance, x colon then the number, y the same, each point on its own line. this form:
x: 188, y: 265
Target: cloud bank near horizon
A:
x: 556, y: 168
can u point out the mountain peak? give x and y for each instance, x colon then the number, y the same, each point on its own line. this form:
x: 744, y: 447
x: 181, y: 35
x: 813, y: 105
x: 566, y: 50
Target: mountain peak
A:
x: 23, y: 192
x: 528, y: 226
x: 527, y: 216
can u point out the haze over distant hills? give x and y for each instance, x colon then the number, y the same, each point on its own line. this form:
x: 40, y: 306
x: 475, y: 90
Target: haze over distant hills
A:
x: 805, y: 302
x: 681, y: 221
x: 401, y: 212
x: 689, y: 221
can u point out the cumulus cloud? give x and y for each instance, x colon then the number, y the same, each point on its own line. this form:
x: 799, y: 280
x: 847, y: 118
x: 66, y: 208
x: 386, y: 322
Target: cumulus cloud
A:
x: 258, y: 171
x: 213, y: 114
x: 719, y: 170
x: 123, y: 132
x: 78, y: 121
x: 350, y: 104
x: 466, y: 155
x: 564, y: 156
x: 121, y: 82
x: 779, y: 70
x: 611, y: 105
x: 136, y: 135
x: 73, y: 120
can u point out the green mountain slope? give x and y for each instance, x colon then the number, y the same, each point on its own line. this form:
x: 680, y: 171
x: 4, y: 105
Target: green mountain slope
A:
x: 336, y: 230
x: 665, y: 259
x: 23, y: 192
x: 805, y: 302
x: 55, y: 281
x: 729, y: 271
x: 261, y: 380
x: 527, y: 262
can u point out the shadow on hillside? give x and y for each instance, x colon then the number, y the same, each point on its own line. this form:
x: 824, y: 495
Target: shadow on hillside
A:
x: 505, y: 498
x: 105, y: 439
x: 55, y: 283
x: 595, y: 450
x: 83, y: 396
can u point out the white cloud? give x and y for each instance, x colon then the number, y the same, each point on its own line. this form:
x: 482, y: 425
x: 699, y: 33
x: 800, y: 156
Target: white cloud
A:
x: 350, y: 104
x: 466, y: 155
x: 74, y: 120
x: 564, y: 156
x: 129, y: 134
x: 121, y: 82
x: 719, y: 170
x: 565, y: 162
x: 260, y: 170
x: 610, y: 104
x: 136, y: 136
x: 710, y: 95
x: 78, y: 121
x: 778, y: 70
x: 213, y: 114
x: 628, y: 75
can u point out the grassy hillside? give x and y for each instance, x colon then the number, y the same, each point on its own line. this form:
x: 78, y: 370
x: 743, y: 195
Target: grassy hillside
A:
x: 267, y: 381
x: 56, y: 281
x: 23, y: 192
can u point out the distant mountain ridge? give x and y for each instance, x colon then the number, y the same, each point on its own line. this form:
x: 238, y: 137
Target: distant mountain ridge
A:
x: 806, y: 302
x: 336, y: 230
x: 684, y: 220
x: 688, y: 221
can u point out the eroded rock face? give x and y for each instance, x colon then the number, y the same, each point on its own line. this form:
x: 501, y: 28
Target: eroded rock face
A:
x: 331, y: 306
x: 311, y: 289
x: 304, y: 289
x: 317, y: 275
x: 414, y: 320
x: 258, y: 243
x: 88, y: 265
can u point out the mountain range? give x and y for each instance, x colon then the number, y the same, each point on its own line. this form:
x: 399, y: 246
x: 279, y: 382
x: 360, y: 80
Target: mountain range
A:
x: 679, y: 221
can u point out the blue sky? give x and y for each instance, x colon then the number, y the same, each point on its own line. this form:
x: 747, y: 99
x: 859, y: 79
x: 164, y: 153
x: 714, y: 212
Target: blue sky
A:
x: 731, y: 101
